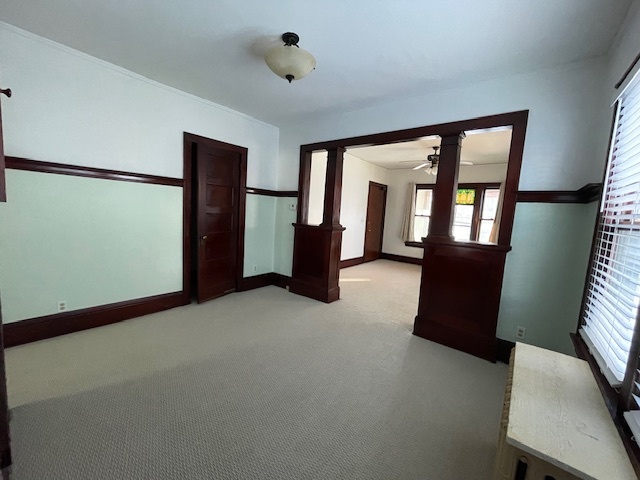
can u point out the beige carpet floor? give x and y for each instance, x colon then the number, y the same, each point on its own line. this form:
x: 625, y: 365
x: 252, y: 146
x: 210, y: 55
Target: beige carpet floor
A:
x: 258, y: 385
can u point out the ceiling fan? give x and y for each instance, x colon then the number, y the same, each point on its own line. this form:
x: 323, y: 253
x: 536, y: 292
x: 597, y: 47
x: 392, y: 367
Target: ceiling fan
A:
x: 432, y: 162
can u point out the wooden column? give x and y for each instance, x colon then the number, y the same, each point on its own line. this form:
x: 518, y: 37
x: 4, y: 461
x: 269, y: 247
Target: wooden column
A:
x: 316, y: 248
x: 444, y: 194
x: 461, y: 281
x: 333, y: 187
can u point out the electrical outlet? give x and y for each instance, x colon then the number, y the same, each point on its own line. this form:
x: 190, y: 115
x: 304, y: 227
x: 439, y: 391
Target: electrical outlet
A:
x: 62, y: 305
x: 255, y: 268
x: 520, y: 333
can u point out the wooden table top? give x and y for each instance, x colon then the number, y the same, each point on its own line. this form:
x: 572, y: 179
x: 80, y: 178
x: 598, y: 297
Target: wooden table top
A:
x: 557, y: 413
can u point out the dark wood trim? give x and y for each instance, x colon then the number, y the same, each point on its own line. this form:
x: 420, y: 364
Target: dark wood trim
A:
x: 189, y: 139
x: 351, y: 262
x: 468, y: 244
x: 517, y: 120
x: 282, y: 281
x: 611, y: 401
x: 628, y: 71
x: 587, y: 194
x: 3, y: 182
x: 18, y: 163
x: 591, y: 192
x: 333, y: 187
x: 503, y: 350
x: 441, y: 129
x: 257, y: 281
x: 272, y: 193
x: 510, y: 190
x: 264, y: 280
x: 48, y: 326
x: 400, y: 258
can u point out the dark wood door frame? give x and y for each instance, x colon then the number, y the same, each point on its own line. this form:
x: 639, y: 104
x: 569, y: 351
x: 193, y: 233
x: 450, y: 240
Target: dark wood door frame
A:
x: 188, y: 214
x: 384, y: 211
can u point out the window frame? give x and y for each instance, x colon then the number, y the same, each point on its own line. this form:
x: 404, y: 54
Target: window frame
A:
x: 480, y: 189
x: 617, y: 400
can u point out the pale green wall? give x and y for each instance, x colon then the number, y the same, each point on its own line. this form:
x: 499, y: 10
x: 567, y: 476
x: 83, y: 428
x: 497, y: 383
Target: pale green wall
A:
x: 259, y: 234
x: 545, y: 273
x: 86, y: 241
x: 286, y: 208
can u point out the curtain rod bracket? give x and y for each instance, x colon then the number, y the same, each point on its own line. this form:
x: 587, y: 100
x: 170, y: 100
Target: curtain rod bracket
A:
x: 6, y: 91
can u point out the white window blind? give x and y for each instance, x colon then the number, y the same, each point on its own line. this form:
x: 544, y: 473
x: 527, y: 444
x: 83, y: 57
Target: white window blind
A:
x: 613, y: 294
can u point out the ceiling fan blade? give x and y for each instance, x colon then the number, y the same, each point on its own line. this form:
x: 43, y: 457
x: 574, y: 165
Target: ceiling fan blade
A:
x: 420, y: 166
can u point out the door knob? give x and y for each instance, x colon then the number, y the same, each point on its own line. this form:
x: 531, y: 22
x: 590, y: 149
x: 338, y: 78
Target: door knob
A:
x: 203, y: 239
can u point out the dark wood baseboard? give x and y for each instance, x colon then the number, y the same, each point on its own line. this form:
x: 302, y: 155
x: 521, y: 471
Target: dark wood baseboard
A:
x: 48, y: 326
x: 40, y: 328
x: 257, y: 281
x: 281, y: 281
x: 351, y: 262
x: 503, y: 350
x: 401, y: 258
x: 264, y: 280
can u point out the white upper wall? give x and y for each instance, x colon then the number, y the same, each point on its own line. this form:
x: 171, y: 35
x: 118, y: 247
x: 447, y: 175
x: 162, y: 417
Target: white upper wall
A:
x: 356, y: 176
x: 68, y: 107
x: 355, y: 198
x: 623, y: 52
x: 564, y: 148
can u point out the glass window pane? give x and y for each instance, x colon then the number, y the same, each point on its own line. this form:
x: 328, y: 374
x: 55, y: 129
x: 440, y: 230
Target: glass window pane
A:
x: 423, y: 202
x: 420, y: 228
x: 490, y: 203
x: 462, y: 218
x: 485, y: 230
x: 465, y: 196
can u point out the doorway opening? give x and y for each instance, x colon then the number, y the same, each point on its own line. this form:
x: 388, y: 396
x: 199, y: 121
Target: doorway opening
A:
x: 215, y: 176
x: 374, y: 226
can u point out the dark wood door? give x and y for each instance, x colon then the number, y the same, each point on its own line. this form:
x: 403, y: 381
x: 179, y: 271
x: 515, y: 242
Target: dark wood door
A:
x: 217, y: 210
x: 375, y: 221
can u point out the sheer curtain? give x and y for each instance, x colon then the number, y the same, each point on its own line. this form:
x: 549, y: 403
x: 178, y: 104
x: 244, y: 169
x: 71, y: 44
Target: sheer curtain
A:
x: 409, y: 212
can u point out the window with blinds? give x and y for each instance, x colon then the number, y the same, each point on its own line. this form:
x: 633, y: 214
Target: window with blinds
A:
x: 611, y: 304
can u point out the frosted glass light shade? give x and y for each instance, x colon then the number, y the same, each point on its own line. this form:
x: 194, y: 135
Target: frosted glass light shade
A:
x: 290, y: 62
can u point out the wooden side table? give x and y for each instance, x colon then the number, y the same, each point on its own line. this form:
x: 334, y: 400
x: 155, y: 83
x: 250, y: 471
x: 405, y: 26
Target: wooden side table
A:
x: 555, y: 425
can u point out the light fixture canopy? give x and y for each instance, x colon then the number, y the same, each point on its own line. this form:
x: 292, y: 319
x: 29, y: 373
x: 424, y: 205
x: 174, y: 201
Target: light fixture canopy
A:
x: 289, y: 61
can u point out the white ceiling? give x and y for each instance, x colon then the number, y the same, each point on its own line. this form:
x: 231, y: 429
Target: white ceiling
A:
x: 484, y: 148
x: 368, y: 51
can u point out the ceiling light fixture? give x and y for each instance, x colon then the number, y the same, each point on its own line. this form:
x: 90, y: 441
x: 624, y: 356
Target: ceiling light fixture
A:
x: 434, y: 158
x: 289, y: 61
